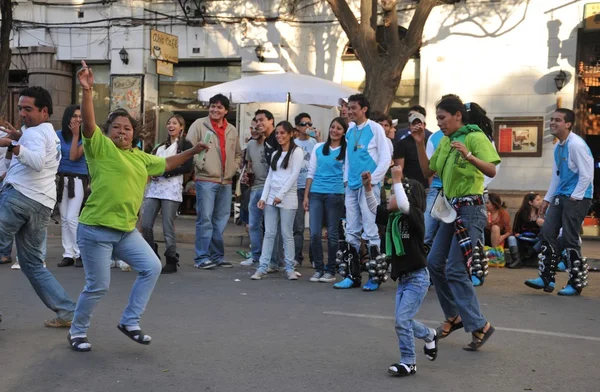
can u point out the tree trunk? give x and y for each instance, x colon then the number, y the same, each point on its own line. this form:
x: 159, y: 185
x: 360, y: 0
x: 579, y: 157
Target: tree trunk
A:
x: 382, y: 81
x: 5, y: 54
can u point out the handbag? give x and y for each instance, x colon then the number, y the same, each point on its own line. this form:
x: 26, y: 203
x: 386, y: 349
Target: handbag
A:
x: 441, y: 209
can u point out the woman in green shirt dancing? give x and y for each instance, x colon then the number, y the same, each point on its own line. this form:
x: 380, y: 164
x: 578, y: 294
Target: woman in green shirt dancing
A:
x: 462, y: 158
x: 119, y: 173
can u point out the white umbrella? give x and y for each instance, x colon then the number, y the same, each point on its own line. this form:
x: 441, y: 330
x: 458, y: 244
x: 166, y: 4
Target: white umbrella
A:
x: 284, y: 87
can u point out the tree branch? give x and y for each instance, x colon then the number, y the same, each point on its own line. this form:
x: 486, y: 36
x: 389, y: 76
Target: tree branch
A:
x: 5, y: 52
x: 346, y: 17
x: 414, y: 36
x: 390, y: 23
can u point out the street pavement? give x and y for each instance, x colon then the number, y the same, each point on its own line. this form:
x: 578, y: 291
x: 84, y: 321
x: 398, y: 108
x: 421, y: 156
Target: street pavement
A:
x: 217, y: 330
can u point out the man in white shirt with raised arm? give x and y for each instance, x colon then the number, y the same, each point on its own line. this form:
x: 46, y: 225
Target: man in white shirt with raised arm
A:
x: 28, y: 196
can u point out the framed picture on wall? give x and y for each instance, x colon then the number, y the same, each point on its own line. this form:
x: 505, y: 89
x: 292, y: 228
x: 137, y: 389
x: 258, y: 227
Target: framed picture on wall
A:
x: 519, y: 136
x: 127, y: 93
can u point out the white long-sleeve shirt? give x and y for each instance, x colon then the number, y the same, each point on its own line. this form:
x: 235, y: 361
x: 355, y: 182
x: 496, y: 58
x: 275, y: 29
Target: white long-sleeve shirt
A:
x: 282, y: 183
x: 367, y: 150
x: 572, y: 170
x: 3, y: 166
x: 33, y: 171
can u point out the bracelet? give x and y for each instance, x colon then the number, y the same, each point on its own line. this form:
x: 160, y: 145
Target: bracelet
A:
x: 470, y: 154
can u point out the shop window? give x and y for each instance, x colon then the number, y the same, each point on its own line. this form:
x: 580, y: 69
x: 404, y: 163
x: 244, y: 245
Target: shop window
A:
x: 101, y: 91
x: 179, y: 94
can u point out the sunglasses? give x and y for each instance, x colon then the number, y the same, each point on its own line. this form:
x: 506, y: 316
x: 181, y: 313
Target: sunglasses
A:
x: 304, y: 124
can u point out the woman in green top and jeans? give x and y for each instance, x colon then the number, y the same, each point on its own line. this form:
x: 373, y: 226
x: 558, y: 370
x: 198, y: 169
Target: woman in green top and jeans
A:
x: 107, y: 223
x: 462, y: 158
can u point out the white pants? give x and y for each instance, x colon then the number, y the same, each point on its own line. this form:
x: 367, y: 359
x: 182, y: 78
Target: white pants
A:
x: 69, y: 217
x: 359, y: 218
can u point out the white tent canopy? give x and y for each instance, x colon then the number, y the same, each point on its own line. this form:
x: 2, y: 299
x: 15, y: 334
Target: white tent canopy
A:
x: 284, y: 87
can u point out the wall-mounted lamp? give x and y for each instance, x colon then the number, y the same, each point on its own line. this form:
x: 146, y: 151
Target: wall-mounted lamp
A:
x: 124, y: 56
x: 260, y: 51
x: 560, y: 79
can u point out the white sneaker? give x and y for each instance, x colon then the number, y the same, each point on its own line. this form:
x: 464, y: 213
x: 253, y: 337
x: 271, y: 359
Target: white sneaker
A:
x: 316, y: 277
x: 113, y: 263
x: 44, y: 264
x: 248, y: 262
x: 291, y: 275
x: 327, y: 278
x: 15, y: 266
x: 257, y: 275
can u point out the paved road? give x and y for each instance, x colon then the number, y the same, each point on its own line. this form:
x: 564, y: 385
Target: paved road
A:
x: 213, y: 333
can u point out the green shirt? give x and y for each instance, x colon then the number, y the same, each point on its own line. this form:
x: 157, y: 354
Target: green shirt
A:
x: 459, y: 177
x: 118, y: 181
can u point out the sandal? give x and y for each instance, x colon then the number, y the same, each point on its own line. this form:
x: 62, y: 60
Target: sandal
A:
x: 442, y: 333
x: 137, y: 335
x: 79, y: 344
x: 401, y: 370
x: 479, y: 341
x: 431, y: 353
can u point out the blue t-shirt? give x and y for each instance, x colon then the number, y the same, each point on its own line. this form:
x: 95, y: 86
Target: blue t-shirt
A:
x: 328, y: 174
x: 66, y: 165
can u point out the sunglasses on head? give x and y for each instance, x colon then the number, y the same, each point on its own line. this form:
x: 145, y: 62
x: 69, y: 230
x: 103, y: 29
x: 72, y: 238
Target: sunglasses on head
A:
x: 304, y: 124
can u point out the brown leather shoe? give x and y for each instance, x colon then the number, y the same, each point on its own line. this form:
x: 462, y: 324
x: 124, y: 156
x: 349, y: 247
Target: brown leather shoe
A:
x: 57, y: 323
x: 6, y: 260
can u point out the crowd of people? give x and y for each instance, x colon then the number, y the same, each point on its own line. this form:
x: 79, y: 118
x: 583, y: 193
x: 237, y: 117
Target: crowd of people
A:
x: 408, y: 204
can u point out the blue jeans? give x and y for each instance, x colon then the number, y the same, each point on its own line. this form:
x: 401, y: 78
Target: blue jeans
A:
x: 256, y: 231
x: 333, y: 206
x: 431, y: 224
x: 448, y: 271
x: 27, y: 221
x: 213, y: 208
x: 6, y: 251
x: 360, y: 219
x: 412, y: 288
x: 97, y: 246
x: 282, y: 219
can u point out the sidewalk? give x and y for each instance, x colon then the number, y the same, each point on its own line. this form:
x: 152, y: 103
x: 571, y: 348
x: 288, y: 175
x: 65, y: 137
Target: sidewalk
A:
x: 235, y: 236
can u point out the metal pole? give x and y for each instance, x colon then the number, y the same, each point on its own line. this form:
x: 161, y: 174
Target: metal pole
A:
x: 287, y: 109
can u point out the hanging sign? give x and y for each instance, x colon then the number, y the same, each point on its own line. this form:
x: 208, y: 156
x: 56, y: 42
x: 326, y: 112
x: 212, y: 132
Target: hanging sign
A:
x: 164, y: 46
x: 591, y: 16
x: 164, y: 68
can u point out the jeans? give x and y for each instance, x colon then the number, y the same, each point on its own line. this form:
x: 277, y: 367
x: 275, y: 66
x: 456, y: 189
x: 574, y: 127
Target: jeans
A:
x: 69, y: 217
x: 431, y: 224
x: 412, y: 288
x: 27, y: 221
x: 569, y: 215
x: 360, y: 218
x: 333, y: 206
x: 97, y: 246
x: 213, y: 208
x: 283, y: 219
x: 256, y: 231
x: 299, y: 228
x: 448, y: 271
x: 169, y: 213
x: 6, y: 250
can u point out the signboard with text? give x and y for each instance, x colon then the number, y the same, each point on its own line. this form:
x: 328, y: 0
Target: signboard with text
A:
x: 591, y: 16
x: 164, y: 46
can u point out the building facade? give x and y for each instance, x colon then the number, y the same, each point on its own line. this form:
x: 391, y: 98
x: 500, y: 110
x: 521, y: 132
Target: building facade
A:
x: 504, y: 55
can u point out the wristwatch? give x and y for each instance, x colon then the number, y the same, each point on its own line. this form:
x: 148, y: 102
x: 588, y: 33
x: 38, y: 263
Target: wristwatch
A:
x: 12, y: 145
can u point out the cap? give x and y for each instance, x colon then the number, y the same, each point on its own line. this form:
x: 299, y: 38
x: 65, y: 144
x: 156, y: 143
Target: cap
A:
x: 416, y: 116
x: 343, y: 101
x: 394, y: 122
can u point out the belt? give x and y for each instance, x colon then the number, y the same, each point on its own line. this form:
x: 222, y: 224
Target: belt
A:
x: 472, y: 200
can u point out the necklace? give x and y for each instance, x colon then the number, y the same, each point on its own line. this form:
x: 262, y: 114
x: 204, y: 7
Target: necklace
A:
x: 357, y: 136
